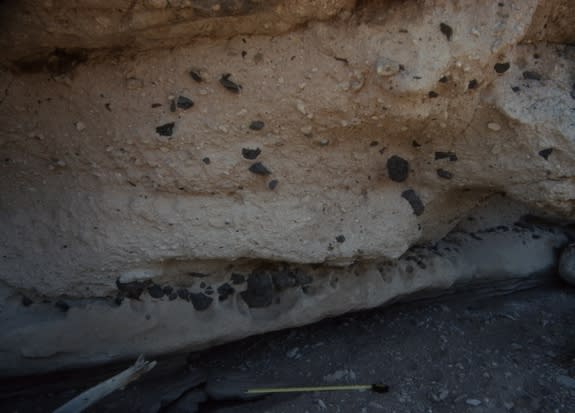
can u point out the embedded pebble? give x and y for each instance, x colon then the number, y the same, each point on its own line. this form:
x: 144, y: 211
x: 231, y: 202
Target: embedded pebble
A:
x: 446, y: 30
x: 446, y: 155
x: 196, y: 75
x: 200, y: 301
x: 416, y: 204
x: 501, y: 67
x: 257, y: 125
x: 238, y: 278
x: 166, y: 129
x: 397, y: 168
x: 260, y: 290
x: 442, y: 173
x: 224, y: 291
x: 156, y: 291
x: 385, y: 67
x: 206, y: 160
x: 258, y: 168
x: 306, y: 130
x: 545, y: 153
x: 530, y: 75
x: 494, y: 126
x: 251, y: 154
x: 273, y: 184
x: 340, y: 239
x: 300, y: 106
x: 80, y: 126
x: 184, y: 103
x: 229, y: 84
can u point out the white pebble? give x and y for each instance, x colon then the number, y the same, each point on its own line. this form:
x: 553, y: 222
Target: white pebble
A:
x: 385, y: 67
x: 80, y: 126
x: 473, y: 402
x: 493, y: 126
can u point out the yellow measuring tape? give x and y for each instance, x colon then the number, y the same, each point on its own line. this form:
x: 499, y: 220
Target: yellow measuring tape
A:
x: 378, y: 388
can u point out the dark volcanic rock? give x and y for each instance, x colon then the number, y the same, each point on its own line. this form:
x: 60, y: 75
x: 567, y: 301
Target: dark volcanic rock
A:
x: 397, y: 168
x: 260, y: 290
x: 416, y: 204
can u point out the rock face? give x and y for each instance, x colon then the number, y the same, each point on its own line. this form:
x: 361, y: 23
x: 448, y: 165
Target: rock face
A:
x: 567, y: 264
x: 155, y: 151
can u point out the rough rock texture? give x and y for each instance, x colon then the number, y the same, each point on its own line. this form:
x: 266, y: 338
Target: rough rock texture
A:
x: 111, y: 188
x: 567, y: 264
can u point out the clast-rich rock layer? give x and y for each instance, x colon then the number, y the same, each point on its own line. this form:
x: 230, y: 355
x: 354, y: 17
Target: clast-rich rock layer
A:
x: 202, y: 170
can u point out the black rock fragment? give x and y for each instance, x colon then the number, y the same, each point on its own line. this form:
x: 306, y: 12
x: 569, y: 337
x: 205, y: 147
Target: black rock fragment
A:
x: 260, y: 290
x: 251, y: 154
x: 197, y: 274
x: 224, y: 291
x: 501, y: 67
x: 273, y: 184
x: 184, y: 103
x: 196, y: 76
x: 132, y: 290
x: 545, y: 153
x: 286, y: 278
x: 155, y: 291
x: 184, y: 294
x: 397, y: 168
x: 444, y: 79
x: 515, y: 89
x: 156, y: 105
x: 230, y: 85
x: 530, y: 75
x: 415, y: 144
x: 173, y: 295
x: 257, y: 125
x: 340, y: 239
x: 258, y: 168
x: 166, y: 129
x: 472, y: 84
x: 200, y: 301
x: 446, y: 30
x: 62, y: 306
x: 238, y: 278
x: 414, y: 200
x: 446, y: 155
x: 442, y: 173
x: 432, y: 94
x: 26, y: 302
x: 168, y: 290
x: 206, y: 160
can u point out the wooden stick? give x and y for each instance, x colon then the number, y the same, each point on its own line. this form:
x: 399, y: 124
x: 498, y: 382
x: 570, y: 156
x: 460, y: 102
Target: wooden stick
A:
x: 101, y: 390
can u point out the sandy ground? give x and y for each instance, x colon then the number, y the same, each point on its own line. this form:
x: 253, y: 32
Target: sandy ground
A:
x: 462, y: 353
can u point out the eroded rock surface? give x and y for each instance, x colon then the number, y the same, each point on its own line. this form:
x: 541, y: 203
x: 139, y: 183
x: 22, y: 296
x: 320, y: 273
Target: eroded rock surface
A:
x: 156, y: 153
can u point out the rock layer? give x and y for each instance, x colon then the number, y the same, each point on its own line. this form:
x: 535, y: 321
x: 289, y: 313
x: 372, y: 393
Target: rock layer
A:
x: 150, y: 146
